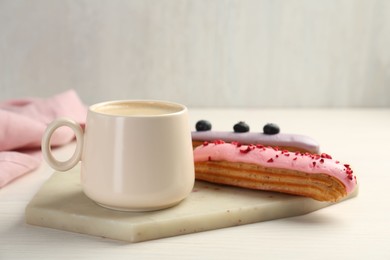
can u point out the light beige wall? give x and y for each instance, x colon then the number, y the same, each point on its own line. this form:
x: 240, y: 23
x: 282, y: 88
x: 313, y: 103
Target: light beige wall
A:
x: 260, y: 53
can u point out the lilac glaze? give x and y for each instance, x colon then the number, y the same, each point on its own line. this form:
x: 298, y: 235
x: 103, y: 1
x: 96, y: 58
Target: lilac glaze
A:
x: 288, y: 140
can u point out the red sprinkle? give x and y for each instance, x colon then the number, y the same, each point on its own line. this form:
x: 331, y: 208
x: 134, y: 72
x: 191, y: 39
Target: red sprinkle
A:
x: 349, y: 172
x: 270, y: 160
x: 327, y: 156
x: 205, y: 143
x: 295, y: 158
x: 322, y: 160
x: 209, y: 158
x: 247, y: 150
x: 219, y: 142
x: 236, y: 144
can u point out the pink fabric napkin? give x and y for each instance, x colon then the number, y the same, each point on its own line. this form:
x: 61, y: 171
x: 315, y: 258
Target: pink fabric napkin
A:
x: 22, y: 124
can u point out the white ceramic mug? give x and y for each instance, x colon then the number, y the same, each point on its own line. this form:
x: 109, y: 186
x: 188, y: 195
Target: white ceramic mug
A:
x: 135, y: 155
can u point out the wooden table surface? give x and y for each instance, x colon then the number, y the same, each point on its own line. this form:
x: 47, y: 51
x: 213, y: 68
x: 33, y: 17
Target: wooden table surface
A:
x: 355, y: 229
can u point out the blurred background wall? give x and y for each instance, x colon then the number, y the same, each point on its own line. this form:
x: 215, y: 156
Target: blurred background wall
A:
x: 203, y: 53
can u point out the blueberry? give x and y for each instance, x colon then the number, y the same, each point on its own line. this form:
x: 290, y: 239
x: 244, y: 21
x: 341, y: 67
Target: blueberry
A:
x: 241, y: 127
x: 203, y: 125
x: 271, y: 129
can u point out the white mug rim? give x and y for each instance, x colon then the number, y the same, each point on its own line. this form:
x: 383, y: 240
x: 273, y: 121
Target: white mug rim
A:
x: 180, y: 108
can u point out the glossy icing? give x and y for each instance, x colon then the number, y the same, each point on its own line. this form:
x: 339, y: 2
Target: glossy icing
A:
x: 285, y: 140
x: 272, y: 157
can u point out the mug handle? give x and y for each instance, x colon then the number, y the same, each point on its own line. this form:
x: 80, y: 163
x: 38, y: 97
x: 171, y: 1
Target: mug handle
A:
x: 46, y: 149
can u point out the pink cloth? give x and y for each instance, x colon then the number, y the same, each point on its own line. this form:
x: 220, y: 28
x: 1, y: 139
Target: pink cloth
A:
x: 22, y: 124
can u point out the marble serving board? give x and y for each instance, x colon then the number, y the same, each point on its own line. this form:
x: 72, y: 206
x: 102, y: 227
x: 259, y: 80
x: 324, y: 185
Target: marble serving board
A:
x: 61, y: 204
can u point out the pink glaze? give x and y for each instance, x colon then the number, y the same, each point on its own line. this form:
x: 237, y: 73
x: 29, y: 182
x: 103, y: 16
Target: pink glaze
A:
x: 272, y: 157
x: 288, y: 140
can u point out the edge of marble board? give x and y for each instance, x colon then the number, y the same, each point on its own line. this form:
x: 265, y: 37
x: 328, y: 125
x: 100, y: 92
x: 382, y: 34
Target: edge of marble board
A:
x: 138, y: 227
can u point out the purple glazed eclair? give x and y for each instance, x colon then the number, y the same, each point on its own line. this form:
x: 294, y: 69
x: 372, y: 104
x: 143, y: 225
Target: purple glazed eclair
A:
x: 270, y: 136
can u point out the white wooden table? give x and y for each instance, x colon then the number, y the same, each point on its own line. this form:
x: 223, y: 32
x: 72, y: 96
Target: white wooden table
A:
x: 355, y: 229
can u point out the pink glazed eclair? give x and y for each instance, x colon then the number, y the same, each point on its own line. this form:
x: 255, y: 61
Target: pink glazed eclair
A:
x: 268, y: 168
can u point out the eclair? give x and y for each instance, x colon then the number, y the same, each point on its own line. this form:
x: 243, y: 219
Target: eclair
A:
x: 259, y: 167
x: 270, y: 136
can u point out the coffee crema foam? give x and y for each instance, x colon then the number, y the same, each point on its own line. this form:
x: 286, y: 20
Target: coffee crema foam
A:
x: 138, y: 109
